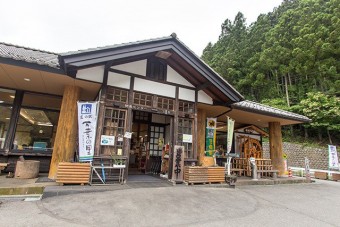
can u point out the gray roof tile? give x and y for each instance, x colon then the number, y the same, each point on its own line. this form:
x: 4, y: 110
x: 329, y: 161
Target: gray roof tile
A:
x: 30, y: 55
x: 263, y: 109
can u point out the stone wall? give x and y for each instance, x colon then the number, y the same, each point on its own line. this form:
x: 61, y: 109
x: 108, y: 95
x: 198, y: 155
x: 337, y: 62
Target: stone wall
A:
x: 296, y: 154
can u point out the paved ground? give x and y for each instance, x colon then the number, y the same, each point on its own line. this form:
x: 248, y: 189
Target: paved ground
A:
x: 316, y: 204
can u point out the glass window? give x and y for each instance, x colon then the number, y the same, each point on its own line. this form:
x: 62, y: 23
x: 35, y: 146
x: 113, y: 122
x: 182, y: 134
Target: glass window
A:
x: 185, y: 126
x: 37, y: 124
x: 6, y: 102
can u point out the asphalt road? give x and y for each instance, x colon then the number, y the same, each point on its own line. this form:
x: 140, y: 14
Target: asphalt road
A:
x: 316, y: 204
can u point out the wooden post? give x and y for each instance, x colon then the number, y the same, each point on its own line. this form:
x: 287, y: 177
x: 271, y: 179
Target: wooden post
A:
x: 101, y: 109
x: 65, y: 140
x: 275, y: 144
x: 201, y: 118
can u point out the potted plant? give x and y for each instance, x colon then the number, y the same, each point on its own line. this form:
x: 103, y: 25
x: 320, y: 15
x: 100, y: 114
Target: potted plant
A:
x: 118, y: 163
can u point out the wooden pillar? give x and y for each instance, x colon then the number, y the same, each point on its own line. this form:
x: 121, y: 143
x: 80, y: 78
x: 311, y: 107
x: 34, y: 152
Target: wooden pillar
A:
x: 201, y: 118
x: 275, y: 145
x: 101, y: 110
x: 19, y: 95
x: 128, y: 127
x: 65, y: 140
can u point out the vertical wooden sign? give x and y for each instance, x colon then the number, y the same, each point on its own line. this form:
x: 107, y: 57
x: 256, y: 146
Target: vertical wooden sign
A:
x: 178, y: 164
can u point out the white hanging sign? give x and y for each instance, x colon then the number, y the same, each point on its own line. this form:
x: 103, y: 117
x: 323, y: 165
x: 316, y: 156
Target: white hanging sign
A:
x: 231, y: 123
x: 333, y: 162
x: 107, y: 140
x: 87, y: 125
x: 187, y: 138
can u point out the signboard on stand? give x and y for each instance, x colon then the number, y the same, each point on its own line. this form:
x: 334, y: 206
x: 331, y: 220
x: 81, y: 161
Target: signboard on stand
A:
x: 87, y: 125
x: 178, y: 164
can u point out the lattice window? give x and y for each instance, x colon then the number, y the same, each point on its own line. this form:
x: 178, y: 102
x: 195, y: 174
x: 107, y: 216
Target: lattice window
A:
x: 165, y: 103
x: 142, y: 99
x: 156, y: 140
x: 185, y: 126
x: 118, y: 95
x: 141, y: 116
x: 114, y: 125
x: 187, y: 107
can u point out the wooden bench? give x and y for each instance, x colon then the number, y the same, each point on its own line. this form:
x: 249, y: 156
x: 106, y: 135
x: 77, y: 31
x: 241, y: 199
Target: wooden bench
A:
x: 272, y: 171
x: 3, y: 166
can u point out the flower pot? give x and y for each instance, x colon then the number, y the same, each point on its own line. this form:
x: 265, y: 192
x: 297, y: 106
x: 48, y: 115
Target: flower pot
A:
x: 118, y: 166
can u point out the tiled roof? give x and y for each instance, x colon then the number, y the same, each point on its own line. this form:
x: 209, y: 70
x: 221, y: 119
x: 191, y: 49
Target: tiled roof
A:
x: 263, y: 109
x: 30, y: 55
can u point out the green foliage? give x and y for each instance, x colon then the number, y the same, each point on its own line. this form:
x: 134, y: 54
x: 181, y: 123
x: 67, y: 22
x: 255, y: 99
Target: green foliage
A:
x: 324, y: 110
x: 285, y: 54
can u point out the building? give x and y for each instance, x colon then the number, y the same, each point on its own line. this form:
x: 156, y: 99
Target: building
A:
x: 158, y: 89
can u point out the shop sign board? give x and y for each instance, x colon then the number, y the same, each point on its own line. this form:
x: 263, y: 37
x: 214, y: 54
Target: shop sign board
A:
x: 87, y: 124
x: 107, y: 140
x: 333, y: 162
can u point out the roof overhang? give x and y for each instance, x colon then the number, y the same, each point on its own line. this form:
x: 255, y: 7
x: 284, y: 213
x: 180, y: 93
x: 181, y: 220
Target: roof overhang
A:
x: 244, y: 117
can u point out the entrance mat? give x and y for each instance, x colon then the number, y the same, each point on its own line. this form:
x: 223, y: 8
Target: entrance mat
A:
x: 44, y: 179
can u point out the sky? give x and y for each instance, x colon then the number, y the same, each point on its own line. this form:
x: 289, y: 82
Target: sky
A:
x: 69, y: 25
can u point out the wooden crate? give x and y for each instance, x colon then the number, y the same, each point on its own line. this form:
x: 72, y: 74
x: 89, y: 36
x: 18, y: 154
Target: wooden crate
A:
x: 73, y: 173
x: 335, y: 176
x: 216, y: 174
x: 320, y: 175
x: 195, y: 174
x: 204, y: 174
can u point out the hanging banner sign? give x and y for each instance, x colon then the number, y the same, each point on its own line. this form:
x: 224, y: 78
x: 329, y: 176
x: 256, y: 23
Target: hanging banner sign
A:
x: 231, y: 123
x: 307, y: 169
x: 87, y: 125
x: 210, y: 135
x: 333, y: 162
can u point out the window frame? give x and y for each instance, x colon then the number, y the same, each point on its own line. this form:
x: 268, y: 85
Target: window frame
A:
x: 153, y: 67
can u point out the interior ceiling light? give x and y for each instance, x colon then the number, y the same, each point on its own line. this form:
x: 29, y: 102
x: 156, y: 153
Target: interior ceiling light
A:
x: 7, y: 118
x: 32, y: 116
x: 27, y: 79
x: 1, y: 101
x: 12, y: 96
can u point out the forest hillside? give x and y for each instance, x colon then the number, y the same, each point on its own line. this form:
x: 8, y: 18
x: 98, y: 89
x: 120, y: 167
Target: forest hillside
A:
x: 288, y: 58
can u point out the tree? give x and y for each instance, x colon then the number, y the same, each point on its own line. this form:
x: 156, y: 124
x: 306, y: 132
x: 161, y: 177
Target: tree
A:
x: 324, y: 110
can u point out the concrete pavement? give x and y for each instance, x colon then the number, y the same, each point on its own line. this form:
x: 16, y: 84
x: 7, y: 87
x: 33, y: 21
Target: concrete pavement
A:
x: 316, y: 204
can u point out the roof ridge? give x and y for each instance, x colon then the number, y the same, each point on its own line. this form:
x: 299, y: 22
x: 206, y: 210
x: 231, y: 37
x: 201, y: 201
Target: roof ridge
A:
x: 117, y: 45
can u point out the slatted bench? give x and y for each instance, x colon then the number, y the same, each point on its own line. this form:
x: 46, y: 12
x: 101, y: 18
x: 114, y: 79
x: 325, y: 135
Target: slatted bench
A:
x: 272, y: 171
x: 3, y: 166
